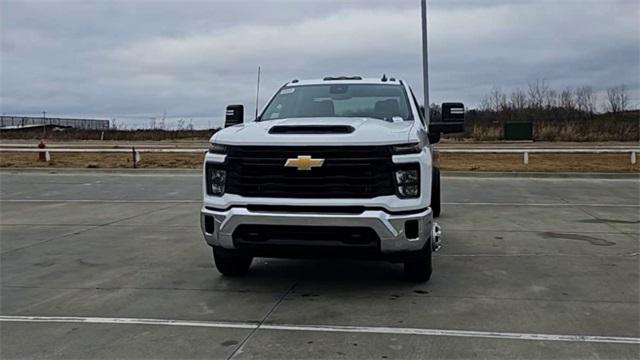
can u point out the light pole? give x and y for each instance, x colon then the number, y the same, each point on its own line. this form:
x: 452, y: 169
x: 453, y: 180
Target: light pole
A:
x: 425, y: 63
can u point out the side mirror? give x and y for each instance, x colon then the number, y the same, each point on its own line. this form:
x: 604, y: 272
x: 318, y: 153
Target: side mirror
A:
x: 234, y: 115
x: 452, y: 120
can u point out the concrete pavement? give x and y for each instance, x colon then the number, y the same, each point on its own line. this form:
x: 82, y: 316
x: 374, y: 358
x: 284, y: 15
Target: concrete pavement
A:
x: 542, y: 258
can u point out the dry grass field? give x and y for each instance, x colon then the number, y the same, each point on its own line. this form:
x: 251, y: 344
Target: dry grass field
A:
x: 98, y: 160
x: 447, y: 162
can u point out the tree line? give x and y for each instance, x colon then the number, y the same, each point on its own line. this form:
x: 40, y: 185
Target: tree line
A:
x: 570, y: 103
x: 571, y: 114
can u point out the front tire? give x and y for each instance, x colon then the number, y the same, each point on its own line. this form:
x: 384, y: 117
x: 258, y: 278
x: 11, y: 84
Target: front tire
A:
x: 419, y: 269
x: 436, y: 206
x: 230, y: 264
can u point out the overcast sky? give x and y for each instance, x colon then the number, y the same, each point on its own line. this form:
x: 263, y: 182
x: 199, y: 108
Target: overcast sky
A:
x: 133, y: 60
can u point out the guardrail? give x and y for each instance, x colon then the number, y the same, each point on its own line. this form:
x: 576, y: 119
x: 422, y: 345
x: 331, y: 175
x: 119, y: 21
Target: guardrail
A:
x: 525, y: 152
x: 135, y: 153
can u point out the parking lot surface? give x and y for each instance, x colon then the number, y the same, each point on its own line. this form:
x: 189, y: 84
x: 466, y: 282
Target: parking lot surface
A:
x: 113, y: 265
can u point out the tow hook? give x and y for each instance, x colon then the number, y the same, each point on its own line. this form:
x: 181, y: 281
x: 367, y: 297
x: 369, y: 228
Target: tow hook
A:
x: 436, y: 237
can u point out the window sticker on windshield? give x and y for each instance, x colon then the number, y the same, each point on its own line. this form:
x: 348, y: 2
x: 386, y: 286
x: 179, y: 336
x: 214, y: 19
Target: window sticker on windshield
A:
x: 287, y: 91
x: 275, y: 115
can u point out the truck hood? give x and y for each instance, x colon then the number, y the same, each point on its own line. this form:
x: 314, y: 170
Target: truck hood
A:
x: 361, y: 131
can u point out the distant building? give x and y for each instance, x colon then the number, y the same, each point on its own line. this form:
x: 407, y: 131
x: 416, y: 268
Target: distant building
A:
x: 16, y: 122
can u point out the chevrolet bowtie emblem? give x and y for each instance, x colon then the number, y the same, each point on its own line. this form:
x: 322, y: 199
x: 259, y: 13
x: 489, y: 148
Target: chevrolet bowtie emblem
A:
x: 304, y: 163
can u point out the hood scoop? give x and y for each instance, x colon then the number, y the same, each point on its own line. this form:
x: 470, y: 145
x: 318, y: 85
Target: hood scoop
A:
x: 311, y: 129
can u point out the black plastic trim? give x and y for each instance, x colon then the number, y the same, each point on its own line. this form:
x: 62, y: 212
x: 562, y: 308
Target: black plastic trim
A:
x: 311, y: 129
x: 318, y: 209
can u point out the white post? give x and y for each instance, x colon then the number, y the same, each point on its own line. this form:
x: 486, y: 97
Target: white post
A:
x: 526, y: 158
x: 47, y: 156
x: 633, y: 158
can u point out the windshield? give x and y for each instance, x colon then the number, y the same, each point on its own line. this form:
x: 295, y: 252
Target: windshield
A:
x: 385, y: 102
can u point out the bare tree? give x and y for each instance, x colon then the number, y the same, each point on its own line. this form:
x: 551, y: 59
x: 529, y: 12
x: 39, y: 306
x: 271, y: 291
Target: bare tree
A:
x: 162, y: 123
x: 538, y: 91
x: 518, y: 99
x: 498, y: 100
x: 617, y: 99
x: 551, y: 99
x: 586, y: 99
x: 485, y: 104
x: 567, y: 100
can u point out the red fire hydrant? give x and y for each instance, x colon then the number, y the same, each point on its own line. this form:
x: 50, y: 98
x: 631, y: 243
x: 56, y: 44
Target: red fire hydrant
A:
x: 42, y: 155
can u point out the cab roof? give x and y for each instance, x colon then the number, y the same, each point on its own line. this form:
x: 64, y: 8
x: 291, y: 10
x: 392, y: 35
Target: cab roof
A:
x: 331, y: 80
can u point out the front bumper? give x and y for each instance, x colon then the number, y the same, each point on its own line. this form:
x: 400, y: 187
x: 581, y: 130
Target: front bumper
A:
x: 390, y: 228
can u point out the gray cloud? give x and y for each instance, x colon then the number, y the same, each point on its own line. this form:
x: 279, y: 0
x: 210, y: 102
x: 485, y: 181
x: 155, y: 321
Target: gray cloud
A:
x: 135, y: 59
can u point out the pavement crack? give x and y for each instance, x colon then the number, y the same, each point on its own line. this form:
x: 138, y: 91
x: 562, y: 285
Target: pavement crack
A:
x: 77, y: 232
x: 138, y: 215
x: 609, y: 224
x: 238, y: 349
x: 596, y: 219
x: 91, y: 227
x: 590, y: 239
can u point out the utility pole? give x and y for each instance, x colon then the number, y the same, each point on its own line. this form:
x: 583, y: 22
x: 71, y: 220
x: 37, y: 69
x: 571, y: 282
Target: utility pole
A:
x: 425, y: 63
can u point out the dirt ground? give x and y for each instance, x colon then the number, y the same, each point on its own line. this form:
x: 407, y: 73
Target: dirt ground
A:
x: 446, y: 161
x: 102, y: 160
x: 538, y: 162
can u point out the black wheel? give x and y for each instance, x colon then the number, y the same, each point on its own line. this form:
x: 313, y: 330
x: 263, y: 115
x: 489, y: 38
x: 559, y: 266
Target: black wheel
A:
x: 230, y: 264
x: 419, y: 269
x: 435, y: 193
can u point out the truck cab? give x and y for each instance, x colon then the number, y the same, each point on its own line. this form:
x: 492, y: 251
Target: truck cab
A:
x: 335, y: 167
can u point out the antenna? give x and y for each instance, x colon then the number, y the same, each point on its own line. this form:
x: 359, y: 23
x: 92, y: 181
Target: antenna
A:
x: 425, y: 63
x: 258, y: 92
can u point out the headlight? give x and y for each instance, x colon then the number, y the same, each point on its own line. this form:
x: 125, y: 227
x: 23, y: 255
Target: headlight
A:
x: 217, y: 148
x: 407, y: 149
x: 408, y: 182
x: 216, y: 179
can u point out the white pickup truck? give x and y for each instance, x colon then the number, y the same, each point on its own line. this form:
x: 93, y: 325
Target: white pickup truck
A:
x: 340, y: 166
